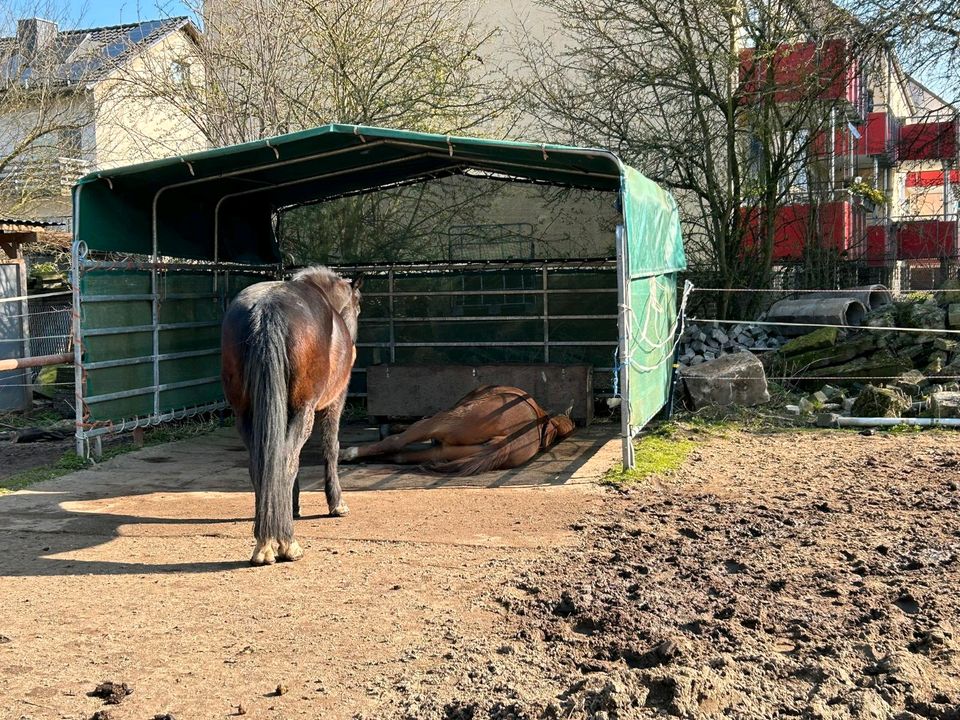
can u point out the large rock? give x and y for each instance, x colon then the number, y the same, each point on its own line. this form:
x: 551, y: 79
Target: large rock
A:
x: 945, y: 404
x: 819, y: 338
x: 911, y: 382
x: 923, y: 315
x: 884, y: 316
x: 735, y: 379
x: 953, y: 315
x: 822, y: 357
x: 880, y: 402
x: 879, y: 364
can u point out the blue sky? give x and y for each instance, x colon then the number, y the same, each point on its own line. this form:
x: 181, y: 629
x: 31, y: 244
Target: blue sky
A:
x: 95, y: 13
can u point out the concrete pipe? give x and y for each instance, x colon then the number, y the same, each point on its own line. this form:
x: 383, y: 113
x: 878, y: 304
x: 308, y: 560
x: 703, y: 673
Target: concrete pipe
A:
x: 817, y: 311
x: 870, y: 296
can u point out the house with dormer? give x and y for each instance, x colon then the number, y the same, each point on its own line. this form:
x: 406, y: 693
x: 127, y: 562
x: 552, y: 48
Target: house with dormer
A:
x: 71, y: 102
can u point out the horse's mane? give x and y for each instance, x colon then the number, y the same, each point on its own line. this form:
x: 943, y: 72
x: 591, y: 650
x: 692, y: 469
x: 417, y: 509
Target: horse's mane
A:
x: 317, y: 274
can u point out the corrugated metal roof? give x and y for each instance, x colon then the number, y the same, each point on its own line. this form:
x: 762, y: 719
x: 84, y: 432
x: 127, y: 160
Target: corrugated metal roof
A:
x: 8, y: 224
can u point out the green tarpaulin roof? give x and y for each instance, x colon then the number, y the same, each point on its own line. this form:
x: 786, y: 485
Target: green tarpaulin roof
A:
x: 219, y: 204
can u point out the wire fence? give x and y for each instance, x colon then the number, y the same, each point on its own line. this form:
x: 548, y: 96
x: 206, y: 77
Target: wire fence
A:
x: 896, y: 323
x: 48, y: 329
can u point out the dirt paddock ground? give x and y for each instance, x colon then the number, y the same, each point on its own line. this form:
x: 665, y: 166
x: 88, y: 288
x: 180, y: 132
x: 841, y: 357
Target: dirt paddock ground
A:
x: 801, y: 574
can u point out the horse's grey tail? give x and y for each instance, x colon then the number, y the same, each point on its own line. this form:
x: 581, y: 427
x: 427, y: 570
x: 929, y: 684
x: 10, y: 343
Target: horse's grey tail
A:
x: 267, y: 370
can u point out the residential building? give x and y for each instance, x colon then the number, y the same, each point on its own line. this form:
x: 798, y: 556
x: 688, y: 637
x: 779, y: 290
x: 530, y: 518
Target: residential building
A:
x: 886, y: 132
x: 79, y: 100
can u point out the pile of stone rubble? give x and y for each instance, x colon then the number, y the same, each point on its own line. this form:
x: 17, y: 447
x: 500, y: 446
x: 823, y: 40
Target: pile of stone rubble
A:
x: 848, y: 371
x: 702, y: 342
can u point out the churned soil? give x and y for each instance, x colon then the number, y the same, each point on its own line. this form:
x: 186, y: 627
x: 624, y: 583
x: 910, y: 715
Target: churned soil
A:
x: 796, y: 574
x: 805, y: 574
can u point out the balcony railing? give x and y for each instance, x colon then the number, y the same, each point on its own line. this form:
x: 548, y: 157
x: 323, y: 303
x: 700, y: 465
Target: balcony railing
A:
x: 824, y: 71
x: 930, y: 139
x: 43, y: 177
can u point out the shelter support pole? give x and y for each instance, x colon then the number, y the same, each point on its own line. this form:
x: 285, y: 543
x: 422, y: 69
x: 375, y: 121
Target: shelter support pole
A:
x: 75, y: 267
x: 393, y: 329
x: 623, y: 351
x: 546, y: 318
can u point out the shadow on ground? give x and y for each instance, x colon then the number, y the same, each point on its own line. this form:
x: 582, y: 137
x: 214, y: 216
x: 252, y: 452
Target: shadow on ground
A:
x: 199, y: 489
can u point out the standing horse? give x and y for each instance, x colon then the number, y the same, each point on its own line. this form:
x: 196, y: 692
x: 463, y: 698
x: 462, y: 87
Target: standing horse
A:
x: 288, y: 348
x: 492, y: 428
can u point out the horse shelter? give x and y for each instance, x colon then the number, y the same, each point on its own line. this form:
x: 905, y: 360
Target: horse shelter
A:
x: 161, y: 248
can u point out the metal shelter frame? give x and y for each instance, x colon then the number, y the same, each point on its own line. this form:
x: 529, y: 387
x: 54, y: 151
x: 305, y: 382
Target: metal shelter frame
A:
x: 188, y: 233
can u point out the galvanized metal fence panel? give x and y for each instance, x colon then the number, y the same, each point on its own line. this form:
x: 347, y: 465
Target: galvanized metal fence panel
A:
x: 148, y: 339
x: 492, y: 312
x: 14, y: 342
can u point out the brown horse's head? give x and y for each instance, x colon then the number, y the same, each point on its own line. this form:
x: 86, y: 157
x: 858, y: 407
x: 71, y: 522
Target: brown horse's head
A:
x: 342, y: 294
x: 559, y: 427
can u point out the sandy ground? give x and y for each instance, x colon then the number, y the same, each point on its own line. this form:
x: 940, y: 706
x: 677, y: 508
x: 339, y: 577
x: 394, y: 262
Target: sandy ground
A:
x: 137, y: 572
x: 802, y: 574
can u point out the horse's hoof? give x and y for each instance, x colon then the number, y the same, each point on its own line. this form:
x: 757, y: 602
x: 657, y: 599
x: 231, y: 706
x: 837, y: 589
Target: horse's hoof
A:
x: 348, y: 454
x: 340, y: 510
x: 289, y: 553
x: 263, y: 555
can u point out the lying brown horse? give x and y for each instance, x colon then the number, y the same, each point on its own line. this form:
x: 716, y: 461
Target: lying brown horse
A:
x: 491, y: 428
x: 288, y: 348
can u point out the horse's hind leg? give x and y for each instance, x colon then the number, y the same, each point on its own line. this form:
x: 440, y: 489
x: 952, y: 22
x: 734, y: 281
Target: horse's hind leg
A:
x: 329, y: 419
x: 296, y: 495
x: 301, y: 425
x: 422, y: 430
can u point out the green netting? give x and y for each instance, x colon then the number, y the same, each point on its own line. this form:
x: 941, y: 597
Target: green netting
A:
x: 653, y: 302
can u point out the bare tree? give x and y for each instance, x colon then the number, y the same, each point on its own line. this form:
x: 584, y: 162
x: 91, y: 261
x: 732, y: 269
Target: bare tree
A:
x: 44, y: 107
x: 267, y: 67
x: 694, y: 93
x: 926, y: 34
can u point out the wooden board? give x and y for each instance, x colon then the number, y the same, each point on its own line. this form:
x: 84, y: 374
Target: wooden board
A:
x: 414, y: 391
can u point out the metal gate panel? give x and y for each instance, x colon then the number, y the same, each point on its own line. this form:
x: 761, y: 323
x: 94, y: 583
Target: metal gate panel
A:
x: 14, y: 336
x: 493, y: 312
x: 148, y: 339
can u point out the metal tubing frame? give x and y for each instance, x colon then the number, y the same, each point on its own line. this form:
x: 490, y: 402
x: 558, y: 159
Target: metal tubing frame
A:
x: 392, y: 272
x: 623, y: 353
x: 154, y: 266
x: 87, y: 432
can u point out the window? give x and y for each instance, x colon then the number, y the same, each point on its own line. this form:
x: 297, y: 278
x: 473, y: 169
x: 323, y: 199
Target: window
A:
x: 71, y: 143
x: 180, y: 72
x: 798, y: 160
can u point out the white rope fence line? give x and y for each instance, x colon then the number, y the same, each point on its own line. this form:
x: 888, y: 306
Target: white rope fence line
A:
x: 33, y: 297
x: 780, y: 323
x: 788, y: 291
x: 64, y: 309
x: 931, y: 378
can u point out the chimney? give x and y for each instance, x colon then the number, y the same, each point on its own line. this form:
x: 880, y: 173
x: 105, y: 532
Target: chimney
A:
x: 35, y: 35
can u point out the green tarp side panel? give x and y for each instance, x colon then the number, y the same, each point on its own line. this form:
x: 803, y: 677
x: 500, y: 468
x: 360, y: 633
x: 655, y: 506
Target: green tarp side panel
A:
x: 200, y: 372
x: 653, y: 301
x: 653, y: 227
x: 654, y: 256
